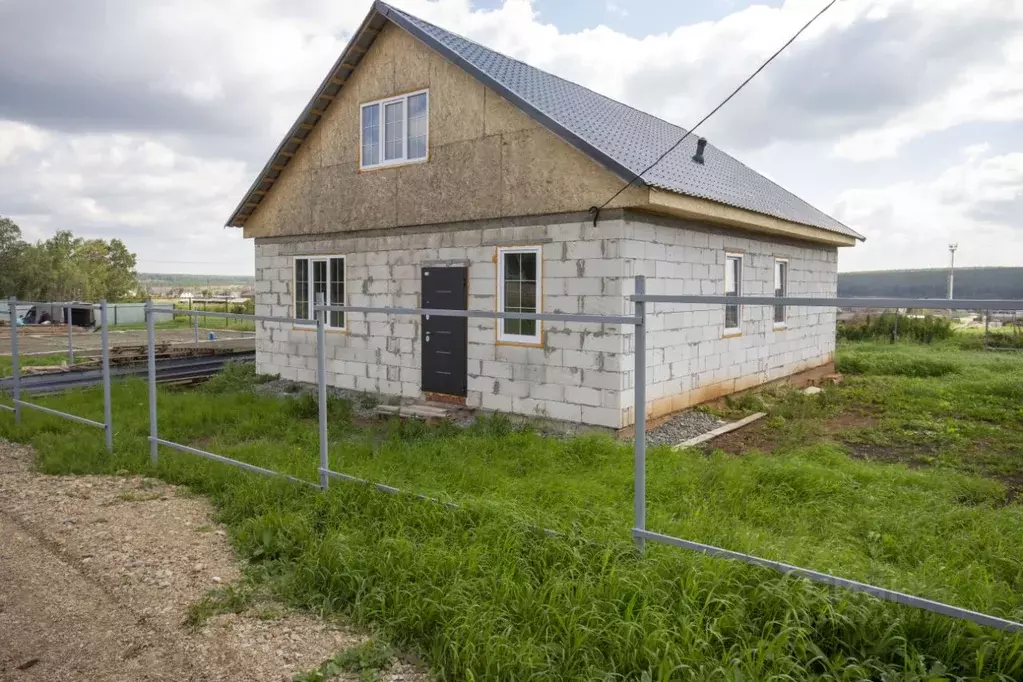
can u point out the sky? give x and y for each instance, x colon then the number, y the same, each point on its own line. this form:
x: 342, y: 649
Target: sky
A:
x: 147, y: 121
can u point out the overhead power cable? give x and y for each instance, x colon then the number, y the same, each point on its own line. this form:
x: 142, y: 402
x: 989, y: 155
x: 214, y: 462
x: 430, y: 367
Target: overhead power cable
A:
x: 595, y: 210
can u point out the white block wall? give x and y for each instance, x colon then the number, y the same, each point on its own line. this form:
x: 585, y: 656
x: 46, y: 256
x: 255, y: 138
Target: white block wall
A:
x: 574, y: 376
x: 582, y: 372
x: 690, y: 359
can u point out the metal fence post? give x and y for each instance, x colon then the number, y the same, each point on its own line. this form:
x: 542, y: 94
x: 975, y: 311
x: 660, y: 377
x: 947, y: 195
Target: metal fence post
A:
x: 151, y: 343
x: 195, y: 323
x: 15, y: 361
x: 639, y: 409
x: 108, y: 421
x: 70, y: 338
x: 987, y: 327
x: 321, y: 383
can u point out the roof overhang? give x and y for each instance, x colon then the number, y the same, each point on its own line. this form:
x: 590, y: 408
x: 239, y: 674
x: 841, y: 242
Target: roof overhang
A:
x: 326, y: 93
x: 681, y: 206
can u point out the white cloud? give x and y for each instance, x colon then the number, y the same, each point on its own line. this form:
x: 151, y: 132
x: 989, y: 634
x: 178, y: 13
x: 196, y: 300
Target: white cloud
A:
x: 977, y: 203
x: 149, y: 119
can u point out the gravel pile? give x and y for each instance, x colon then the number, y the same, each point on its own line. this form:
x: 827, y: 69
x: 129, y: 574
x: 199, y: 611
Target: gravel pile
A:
x: 682, y: 427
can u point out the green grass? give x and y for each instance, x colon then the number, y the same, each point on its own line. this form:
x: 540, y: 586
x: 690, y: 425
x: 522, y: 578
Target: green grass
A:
x: 6, y: 367
x: 368, y: 659
x: 485, y: 596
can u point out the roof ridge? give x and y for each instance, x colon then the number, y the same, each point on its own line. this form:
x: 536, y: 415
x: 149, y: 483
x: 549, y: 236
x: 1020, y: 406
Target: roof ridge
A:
x: 683, y: 131
x: 536, y: 68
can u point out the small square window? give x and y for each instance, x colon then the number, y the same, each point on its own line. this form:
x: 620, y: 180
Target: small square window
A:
x: 395, y: 130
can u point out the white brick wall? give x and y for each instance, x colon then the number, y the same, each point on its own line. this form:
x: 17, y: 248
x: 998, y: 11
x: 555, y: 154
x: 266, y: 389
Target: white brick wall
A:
x: 567, y: 378
x: 582, y: 372
x: 690, y: 359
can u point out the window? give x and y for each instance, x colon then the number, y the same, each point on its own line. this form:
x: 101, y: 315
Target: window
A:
x: 733, y: 287
x: 395, y: 130
x: 519, y: 290
x: 781, y: 288
x: 320, y: 278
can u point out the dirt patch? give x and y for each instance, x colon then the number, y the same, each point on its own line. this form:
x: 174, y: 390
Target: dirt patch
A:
x: 98, y: 575
x: 850, y: 420
x: 758, y: 436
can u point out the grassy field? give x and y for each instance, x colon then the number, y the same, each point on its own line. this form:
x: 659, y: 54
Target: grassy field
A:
x: 35, y: 361
x: 905, y: 475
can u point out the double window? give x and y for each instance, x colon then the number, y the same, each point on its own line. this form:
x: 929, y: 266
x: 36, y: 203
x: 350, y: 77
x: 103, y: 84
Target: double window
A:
x: 319, y: 278
x: 519, y: 290
x: 781, y: 288
x: 395, y: 130
x: 733, y: 287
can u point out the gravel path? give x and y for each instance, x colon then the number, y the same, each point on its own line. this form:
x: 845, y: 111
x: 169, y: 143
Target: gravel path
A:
x: 96, y: 576
x: 682, y: 427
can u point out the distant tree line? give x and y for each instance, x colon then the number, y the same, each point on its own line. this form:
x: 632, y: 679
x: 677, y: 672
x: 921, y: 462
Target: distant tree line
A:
x: 1002, y: 283
x: 65, y: 267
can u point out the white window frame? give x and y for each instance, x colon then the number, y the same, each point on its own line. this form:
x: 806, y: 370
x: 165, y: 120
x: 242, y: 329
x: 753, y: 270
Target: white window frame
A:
x: 530, y: 339
x: 737, y: 329
x: 779, y: 324
x: 294, y: 288
x: 382, y: 103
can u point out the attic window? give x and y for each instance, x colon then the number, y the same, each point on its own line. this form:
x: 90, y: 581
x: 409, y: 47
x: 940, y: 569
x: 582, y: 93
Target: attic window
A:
x: 395, y: 130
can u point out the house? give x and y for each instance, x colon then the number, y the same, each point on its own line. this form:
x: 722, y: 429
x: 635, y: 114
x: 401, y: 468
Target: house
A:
x: 428, y: 170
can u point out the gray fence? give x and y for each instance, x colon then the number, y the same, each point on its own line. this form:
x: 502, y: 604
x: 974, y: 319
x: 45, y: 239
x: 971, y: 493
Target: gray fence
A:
x: 108, y: 423
x: 641, y: 301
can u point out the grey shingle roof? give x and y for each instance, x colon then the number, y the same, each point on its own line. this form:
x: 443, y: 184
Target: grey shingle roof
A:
x: 622, y: 138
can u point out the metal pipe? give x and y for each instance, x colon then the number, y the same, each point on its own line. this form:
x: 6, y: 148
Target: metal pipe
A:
x: 108, y: 419
x: 15, y: 361
x: 639, y: 409
x: 925, y: 303
x: 195, y: 321
x: 58, y: 413
x: 321, y: 383
x: 227, y: 460
x: 154, y: 445
x: 62, y: 304
x: 487, y: 314
x: 70, y: 338
x: 236, y: 316
x: 827, y: 579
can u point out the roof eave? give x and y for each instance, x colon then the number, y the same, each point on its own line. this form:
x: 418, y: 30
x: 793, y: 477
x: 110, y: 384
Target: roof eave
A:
x: 328, y: 90
x: 684, y: 206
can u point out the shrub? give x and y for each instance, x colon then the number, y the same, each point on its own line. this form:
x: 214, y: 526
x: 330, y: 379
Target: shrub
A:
x: 895, y: 364
x: 882, y: 327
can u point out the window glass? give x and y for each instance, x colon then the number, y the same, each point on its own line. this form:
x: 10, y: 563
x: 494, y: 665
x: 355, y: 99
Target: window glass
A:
x: 520, y: 289
x: 371, y: 135
x: 417, y: 118
x: 319, y: 283
x: 337, y: 291
x: 733, y: 287
x: 394, y: 131
x: 302, y: 289
x: 781, y: 287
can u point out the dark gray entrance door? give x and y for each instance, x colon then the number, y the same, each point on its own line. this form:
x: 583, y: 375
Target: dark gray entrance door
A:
x: 445, y: 339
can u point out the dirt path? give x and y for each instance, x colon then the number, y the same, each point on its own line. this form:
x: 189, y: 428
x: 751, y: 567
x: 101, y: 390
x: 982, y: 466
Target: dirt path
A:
x: 96, y: 577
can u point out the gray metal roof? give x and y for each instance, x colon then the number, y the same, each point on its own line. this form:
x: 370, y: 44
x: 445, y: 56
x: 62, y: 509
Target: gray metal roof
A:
x: 622, y: 138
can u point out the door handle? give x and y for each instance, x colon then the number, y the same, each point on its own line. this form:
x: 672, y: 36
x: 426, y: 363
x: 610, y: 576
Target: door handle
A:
x: 427, y: 337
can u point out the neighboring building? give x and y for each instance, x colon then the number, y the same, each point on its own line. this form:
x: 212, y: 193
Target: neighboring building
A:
x: 430, y: 171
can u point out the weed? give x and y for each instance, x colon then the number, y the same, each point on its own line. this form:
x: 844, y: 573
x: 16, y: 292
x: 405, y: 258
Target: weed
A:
x: 235, y: 376
x: 881, y: 327
x: 230, y: 599
x: 485, y: 597
x: 138, y: 497
x: 368, y: 659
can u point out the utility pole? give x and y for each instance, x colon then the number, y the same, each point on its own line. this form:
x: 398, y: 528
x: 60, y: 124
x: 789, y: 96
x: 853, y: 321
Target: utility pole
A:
x: 951, y: 273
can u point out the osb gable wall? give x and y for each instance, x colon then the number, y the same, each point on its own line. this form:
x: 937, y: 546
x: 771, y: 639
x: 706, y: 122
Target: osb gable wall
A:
x: 487, y: 159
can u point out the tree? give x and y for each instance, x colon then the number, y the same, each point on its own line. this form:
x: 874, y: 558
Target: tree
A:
x: 65, y: 267
x: 11, y: 247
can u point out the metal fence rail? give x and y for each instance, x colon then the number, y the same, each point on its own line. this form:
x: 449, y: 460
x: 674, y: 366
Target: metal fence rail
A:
x: 639, y: 530
x: 641, y: 301
x: 107, y: 424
